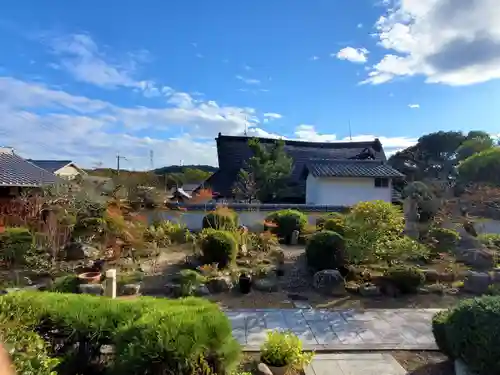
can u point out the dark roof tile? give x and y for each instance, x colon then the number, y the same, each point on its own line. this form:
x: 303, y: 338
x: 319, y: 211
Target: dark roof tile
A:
x: 50, y: 165
x: 16, y: 171
x: 351, y: 168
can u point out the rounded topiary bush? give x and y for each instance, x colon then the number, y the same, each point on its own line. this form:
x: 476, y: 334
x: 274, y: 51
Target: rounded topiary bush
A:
x: 325, y: 250
x: 287, y: 221
x: 336, y: 224
x: 221, y: 219
x: 473, y: 334
x: 218, y: 247
x: 439, y: 324
x: 444, y: 239
x: 406, y: 279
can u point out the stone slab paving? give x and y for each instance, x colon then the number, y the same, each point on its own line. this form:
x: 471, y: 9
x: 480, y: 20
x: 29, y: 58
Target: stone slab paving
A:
x: 374, y: 329
x: 354, y: 364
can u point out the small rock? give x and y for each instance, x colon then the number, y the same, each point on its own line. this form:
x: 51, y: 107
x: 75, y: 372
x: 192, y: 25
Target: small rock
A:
x: 267, y: 284
x: 79, y: 251
x: 263, y: 369
x: 93, y: 289
x: 452, y: 291
x: 423, y: 290
x: 369, y: 290
x: 477, y: 282
x: 496, y: 275
x: 202, y: 291
x: 352, y: 287
x: 446, y: 277
x: 220, y: 284
x: 329, y: 281
x: 431, y: 275
x: 294, y: 238
x: 131, y: 289
x: 173, y: 289
x: 435, y: 288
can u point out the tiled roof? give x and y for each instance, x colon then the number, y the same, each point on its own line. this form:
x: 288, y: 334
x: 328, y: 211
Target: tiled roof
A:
x: 233, y: 152
x: 16, y: 171
x: 50, y: 165
x: 351, y: 168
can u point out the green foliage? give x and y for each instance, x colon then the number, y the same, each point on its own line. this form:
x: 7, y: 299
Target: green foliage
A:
x: 286, y: 222
x: 221, y: 219
x: 439, y: 323
x: 28, y: 351
x: 218, y: 247
x: 369, y: 226
x: 427, y: 203
x: 334, y: 221
x: 473, y: 334
x: 406, y: 279
x: 477, y: 141
x: 444, y: 239
x: 481, y: 167
x: 284, y: 349
x: 15, y: 244
x: 66, y: 284
x: 269, y: 168
x: 164, y: 233
x: 325, y: 250
x: 400, y: 248
x: 150, y: 336
x: 190, y: 280
x: 491, y: 240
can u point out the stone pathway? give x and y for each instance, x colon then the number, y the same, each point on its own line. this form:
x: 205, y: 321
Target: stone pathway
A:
x: 376, y: 329
x: 355, y: 364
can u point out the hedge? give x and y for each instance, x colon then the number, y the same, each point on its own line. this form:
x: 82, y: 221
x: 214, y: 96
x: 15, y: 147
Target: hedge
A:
x: 439, y: 324
x: 219, y: 247
x: 149, y: 336
x: 325, y: 250
x: 287, y: 221
x: 473, y: 334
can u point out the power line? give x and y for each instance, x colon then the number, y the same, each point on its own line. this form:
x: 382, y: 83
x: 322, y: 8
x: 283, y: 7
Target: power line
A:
x: 118, y: 158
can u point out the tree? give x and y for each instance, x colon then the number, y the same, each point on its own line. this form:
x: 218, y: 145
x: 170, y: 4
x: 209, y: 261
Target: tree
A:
x: 482, y: 167
x: 476, y: 142
x: 245, y: 187
x: 270, y: 170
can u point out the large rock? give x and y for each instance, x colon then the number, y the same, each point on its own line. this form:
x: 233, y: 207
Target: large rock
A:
x: 268, y: 284
x: 369, y: 290
x: 477, y: 282
x: 478, y: 258
x: 220, y: 284
x: 202, y: 291
x: 131, y: 289
x: 431, y: 275
x: 329, y: 281
x: 173, y: 289
x: 93, y: 289
x: 80, y: 251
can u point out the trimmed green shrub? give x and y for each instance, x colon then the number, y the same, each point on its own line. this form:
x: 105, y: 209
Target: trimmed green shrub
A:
x: 28, y: 351
x: 219, y: 247
x: 15, y: 244
x: 473, y: 334
x: 66, y: 284
x: 444, y: 239
x: 406, y: 279
x: 325, y: 250
x: 439, y: 323
x: 336, y: 222
x: 221, y: 219
x: 189, y: 281
x: 150, y: 336
x: 287, y: 221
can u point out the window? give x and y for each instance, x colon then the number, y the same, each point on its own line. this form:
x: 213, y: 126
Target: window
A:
x: 381, y: 182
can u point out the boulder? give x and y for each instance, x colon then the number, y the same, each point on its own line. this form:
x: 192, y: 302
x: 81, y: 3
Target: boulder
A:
x: 219, y: 284
x: 93, y: 289
x: 329, y: 281
x: 131, y: 289
x: 173, y: 289
x: 477, y: 282
x: 369, y: 290
x: 263, y: 369
x: 431, y: 275
x: 80, y: 251
x: 202, y: 291
x: 478, y: 258
x: 268, y: 284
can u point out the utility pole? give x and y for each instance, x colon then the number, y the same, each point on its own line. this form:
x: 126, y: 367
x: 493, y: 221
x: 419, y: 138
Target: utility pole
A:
x: 350, y: 133
x: 118, y: 158
x: 151, y: 159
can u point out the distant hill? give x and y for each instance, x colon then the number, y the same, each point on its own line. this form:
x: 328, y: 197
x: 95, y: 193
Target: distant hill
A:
x: 182, y: 168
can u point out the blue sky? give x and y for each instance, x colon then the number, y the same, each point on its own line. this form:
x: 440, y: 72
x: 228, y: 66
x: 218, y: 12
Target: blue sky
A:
x: 83, y: 80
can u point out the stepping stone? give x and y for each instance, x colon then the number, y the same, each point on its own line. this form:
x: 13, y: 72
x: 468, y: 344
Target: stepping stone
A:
x: 354, y: 364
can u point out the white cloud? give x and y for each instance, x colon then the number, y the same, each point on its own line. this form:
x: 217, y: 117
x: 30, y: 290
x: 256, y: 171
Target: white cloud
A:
x: 314, y: 58
x: 359, y: 26
x: 414, y: 106
x: 308, y: 133
x: 454, y: 42
x: 248, y: 81
x: 273, y: 115
x: 81, y: 57
x: 355, y: 55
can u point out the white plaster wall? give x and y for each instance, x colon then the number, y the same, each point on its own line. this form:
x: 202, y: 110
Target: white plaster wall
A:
x: 344, y: 191
x: 251, y: 219
x: 68, y: 172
